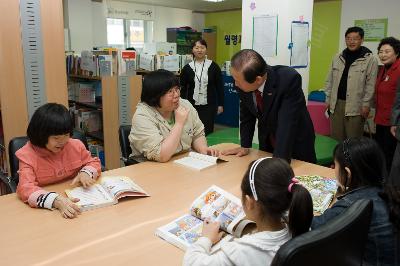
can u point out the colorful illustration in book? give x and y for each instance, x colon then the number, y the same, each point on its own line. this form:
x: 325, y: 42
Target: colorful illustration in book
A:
x: 233, y: 209
x: 211, y: 197
x: 176, y: 231
x: 196, y: 211
x: 188, y: 222
x: 192, y: 236
x: 224, y: 221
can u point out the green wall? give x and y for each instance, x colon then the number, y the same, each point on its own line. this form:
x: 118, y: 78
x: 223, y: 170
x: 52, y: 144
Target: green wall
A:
x: 227, y: 23
x: 324, y: 41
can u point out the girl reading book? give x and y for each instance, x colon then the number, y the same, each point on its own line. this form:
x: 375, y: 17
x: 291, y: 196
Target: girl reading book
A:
x: 50, y: 156
x: 360, y: 170
x: 269, y: 190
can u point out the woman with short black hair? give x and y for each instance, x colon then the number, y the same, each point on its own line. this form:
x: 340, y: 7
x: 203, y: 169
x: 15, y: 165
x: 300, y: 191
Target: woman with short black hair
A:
x: 164, y: 124
x: 201, y: 84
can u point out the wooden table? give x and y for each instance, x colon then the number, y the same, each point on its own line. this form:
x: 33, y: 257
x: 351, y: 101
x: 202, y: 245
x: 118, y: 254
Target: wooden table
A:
x: 124, y: 233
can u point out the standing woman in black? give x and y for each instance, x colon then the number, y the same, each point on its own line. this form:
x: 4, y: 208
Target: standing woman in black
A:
x: 201, y: 85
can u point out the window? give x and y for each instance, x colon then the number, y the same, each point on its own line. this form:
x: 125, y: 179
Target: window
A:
x: 123, y: 33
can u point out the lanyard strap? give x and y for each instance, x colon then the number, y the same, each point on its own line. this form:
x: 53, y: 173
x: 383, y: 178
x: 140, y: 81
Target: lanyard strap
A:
x: 195, y: 71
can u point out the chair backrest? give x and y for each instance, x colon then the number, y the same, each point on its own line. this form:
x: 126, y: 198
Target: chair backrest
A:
x: 18, y: 142
x: 125, y: 145
x: 341, y: 241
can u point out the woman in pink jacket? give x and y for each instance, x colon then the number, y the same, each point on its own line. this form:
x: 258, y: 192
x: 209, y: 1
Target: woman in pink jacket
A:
x: 51, y: 156
x: 386, y: 82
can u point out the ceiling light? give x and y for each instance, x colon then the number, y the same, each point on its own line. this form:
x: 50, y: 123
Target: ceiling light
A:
x: 214, y: 0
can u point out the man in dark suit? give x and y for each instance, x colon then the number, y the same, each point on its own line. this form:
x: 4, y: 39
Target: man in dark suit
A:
x: 394, y: 177
x: 273, y: 96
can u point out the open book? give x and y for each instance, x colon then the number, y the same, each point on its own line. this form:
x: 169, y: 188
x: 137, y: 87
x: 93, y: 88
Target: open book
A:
x: 322, y: 190
x: 214, y: 203
x: 105, y: 192
x: 199, y: 161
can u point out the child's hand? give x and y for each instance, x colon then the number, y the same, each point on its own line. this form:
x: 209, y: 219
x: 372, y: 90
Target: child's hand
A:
x: 66, y: 207
x: 84, y: 179
x: 211, y: 231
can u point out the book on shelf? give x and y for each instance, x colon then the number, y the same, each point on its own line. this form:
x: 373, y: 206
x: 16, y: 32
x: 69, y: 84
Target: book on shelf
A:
x: 199, y: 161
x: 126, y: 62
x: 107, y: 191
x: 215, y: 204
x: 322, y: 190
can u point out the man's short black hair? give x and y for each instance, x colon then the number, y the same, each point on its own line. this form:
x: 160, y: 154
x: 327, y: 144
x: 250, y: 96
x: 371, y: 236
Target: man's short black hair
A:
x: 50, y: 119
x: 358, y: 30
x: 392, y: 41
x: 156, y: 84
x: 250, y: 63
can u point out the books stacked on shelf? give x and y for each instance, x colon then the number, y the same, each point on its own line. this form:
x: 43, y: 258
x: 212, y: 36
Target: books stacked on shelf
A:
x: 101, y: 62
x: 82, y: 92
x: 126, y: 62
x: 96, y: 149
x: 87, y: 120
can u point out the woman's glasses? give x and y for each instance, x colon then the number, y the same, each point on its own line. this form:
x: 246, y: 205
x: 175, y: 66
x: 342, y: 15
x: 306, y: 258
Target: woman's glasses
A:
x: 173, y: 90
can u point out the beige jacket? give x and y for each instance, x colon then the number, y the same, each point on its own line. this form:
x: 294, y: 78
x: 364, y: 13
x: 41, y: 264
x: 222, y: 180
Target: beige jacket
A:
x: 360, y: 83
x: 149, y: 129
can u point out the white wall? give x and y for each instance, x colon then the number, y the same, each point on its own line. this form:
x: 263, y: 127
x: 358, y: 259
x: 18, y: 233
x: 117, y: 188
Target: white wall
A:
x: 80, y: 24
x: 287, y: 11
x: 370, y: 9
x: 88, y: 27
x: 167, y: 17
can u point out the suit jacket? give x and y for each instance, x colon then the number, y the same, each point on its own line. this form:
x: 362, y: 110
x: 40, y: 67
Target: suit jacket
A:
x: 395, y: 119
x: 215, y: 87
x: 285, y: 117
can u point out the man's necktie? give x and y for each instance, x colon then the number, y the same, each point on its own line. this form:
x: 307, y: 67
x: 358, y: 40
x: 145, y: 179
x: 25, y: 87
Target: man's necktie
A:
x: 259, y: 101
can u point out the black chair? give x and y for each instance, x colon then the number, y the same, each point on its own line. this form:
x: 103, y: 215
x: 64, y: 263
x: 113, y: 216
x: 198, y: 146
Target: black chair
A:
x: 341, y: 241
x: 125, y: 145
x: 17, y: 143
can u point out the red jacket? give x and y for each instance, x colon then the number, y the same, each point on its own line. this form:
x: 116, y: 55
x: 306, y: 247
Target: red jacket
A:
x: 40, y: 167
x: 385, y: 91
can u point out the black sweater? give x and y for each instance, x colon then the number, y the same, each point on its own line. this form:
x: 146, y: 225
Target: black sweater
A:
x: 215, y: 88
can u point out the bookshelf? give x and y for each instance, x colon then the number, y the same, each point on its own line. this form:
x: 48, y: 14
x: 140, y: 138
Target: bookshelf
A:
x: 13, y: 92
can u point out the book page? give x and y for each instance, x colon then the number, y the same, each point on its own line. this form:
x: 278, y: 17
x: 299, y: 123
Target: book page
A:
x: 203, y: 157
x: 121, y: 186
x: 194, y: 163
x: 322, y: 190
x: 91, y: 197
x: 218, y: 205
x: 182, y: 232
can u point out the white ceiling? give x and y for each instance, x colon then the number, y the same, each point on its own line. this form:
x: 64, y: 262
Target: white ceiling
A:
x: 195, y: 5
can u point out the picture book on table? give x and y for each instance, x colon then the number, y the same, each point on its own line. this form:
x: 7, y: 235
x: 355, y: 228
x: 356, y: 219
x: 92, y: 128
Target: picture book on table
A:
x: 322, y: 190
x: 215, y: 204
x: 107, y: 191
x: 199, y: 161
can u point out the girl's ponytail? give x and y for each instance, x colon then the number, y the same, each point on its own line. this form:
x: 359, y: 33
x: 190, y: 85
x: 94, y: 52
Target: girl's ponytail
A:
x: 300, y: 210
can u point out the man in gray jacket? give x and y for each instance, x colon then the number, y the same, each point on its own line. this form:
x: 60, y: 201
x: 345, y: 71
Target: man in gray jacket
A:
x: 395, y: 129
x: 350, y: 86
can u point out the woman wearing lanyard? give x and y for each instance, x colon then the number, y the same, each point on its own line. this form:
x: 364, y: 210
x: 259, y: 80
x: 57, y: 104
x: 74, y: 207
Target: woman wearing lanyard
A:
x: 386, y: 82
x: 201, y: 85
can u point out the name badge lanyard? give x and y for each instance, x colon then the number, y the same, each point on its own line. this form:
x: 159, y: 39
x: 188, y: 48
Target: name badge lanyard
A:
x: 201, y: 74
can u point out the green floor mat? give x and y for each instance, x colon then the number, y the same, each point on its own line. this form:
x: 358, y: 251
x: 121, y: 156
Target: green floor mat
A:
x: 323, y: 145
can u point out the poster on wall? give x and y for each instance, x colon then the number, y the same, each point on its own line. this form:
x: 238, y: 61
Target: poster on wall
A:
x: 374, y: 29
x: 299, y: 44
x: 265, y: 35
